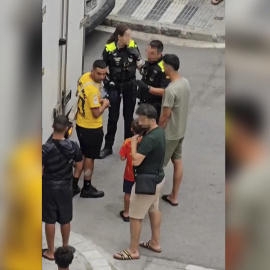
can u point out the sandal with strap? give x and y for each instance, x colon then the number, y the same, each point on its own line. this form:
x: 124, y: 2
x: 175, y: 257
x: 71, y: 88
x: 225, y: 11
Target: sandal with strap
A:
x: 126, y: 219
x: 45, y: 256
x: 147, y: 246
x: 124, y: 256
x: 166, y: 199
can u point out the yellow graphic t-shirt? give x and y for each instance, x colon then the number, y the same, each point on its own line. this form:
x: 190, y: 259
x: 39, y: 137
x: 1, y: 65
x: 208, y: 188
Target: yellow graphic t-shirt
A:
x: 89, y: 99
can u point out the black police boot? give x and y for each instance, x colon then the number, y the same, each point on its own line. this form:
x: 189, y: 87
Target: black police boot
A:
x: 105, y: 152
x: 76, y: 190
x: 91, y: 192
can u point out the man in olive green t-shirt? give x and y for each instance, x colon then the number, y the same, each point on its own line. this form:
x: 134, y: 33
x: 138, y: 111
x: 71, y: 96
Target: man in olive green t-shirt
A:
x: 173, y: 119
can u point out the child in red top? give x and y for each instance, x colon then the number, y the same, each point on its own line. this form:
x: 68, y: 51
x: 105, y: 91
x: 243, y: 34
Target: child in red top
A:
x: 125, y: 154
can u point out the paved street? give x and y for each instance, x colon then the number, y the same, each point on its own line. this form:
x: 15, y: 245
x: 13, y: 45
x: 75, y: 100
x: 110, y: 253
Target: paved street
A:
x: 193, y: 232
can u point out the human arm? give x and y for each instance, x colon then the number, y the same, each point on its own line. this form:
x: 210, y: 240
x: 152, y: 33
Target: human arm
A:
x: 163, y: 82
x: 156, y: 91
x: 98, y: 111
x: 165, y: 116
x: 97, y: 105
x: 141, y: 151
x: 135, y: 52
x: 137, y: 158
x: 167, y: 105
x: 123, y: 152
x: 152, y: 90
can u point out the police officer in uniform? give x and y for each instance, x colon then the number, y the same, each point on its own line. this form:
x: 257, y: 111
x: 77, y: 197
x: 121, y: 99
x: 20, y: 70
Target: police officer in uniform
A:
x: 122, y: 56
x: 154, y: 81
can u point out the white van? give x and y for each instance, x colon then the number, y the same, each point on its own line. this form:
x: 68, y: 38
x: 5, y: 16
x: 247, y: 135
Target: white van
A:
x: 64, y: 26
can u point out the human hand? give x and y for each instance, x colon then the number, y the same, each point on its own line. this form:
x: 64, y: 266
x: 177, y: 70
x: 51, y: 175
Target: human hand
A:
x: 105, y: 102
x: 142, y: 85
x: 142, y: 69
x: 135, y: 53
x: 134, y: 139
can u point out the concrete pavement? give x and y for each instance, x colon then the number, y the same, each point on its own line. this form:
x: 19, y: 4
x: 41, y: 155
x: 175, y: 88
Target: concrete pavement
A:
x: 189, y: 19
x: 193, y: 233
x: 88, y: 256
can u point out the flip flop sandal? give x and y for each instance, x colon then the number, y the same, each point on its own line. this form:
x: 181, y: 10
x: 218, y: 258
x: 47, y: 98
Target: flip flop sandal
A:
x: 165, y: 198
x: 123, y: 257
x: 147, y: 246
x: 46, y: 257
x: 72, y: 249
x: 126, y: 219
x: 218, y: 2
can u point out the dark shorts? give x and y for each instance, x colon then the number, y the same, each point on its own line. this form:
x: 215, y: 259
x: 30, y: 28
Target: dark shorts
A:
x: 56, y: 205
x: 127, y: 186
x: 90, y: 141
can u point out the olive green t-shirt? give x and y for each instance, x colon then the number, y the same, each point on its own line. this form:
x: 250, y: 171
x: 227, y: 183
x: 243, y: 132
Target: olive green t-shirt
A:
x: 176, y: 96
x: 152, y: 146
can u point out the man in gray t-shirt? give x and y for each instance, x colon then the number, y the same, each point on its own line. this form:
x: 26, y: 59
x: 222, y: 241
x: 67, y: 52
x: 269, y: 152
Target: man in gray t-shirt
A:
x: 173, y: 119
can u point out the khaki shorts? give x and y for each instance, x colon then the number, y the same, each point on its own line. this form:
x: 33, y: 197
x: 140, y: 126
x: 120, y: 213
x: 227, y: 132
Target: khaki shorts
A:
x: 141, y: 204
x: 173, y: 150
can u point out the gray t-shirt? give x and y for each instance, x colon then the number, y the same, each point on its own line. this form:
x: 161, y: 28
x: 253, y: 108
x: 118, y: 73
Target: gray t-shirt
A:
x: 176, y: 96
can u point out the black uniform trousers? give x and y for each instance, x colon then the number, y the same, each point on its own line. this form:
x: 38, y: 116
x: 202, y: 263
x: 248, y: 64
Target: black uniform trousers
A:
x: 127, y: 91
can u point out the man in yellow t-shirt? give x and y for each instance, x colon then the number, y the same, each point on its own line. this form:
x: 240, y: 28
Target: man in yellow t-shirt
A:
x: 89, y: 125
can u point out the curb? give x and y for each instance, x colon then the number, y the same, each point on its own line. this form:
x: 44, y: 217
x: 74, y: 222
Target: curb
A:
x: 88, y: 256
x: 90, y: 252
x: 158, y: 263
x: 195, y: 267
x: 154, y: 27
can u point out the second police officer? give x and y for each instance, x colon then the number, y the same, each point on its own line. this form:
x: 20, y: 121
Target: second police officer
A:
x: 122, y: 56
x: 154, y: 81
